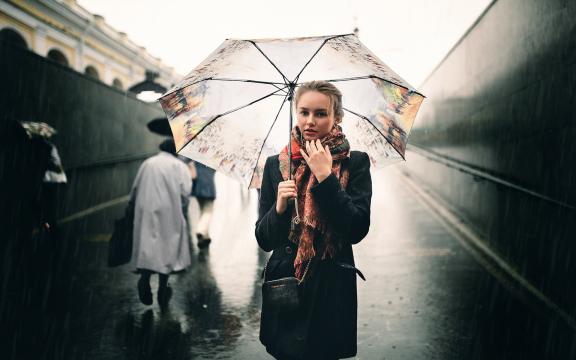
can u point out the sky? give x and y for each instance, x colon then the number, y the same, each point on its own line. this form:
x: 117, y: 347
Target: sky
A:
x: 411, y: 37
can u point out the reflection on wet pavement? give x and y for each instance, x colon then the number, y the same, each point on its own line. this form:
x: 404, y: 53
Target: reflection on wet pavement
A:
x: 425, y: 297
x: 214, y: 312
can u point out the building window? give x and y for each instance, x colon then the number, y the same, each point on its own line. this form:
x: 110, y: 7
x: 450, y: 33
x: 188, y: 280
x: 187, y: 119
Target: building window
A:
x: 13, y: 37
x: 92, y: 72
x: 57, y: 56
x: 118, y: 84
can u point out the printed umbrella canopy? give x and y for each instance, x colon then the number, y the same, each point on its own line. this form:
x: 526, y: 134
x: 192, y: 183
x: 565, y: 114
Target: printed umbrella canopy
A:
x: 235, y: 109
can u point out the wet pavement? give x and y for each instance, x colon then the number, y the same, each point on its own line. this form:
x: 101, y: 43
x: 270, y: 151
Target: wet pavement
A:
x: 425, y: 296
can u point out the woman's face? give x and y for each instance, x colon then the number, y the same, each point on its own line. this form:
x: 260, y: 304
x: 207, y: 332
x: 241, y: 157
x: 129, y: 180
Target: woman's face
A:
x: 315, y: 117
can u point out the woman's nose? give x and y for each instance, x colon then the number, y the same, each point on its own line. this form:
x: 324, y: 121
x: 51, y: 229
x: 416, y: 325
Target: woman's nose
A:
x: 310, y: 120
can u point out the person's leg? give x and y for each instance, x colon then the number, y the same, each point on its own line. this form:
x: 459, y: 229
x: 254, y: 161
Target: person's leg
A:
x: 144, y: 290
x: 200, y: 228
x: 190, y: 217
x: 163, y: 280
x: 164, y: 290
x: 206, y: 209
x: 145, y: 275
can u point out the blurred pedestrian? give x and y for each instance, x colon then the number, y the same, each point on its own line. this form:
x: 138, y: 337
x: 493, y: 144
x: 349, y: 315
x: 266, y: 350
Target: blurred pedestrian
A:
x: 53, y: 182
x: 312, y: 240
x: 54, y: 177
x: 161, y: 245
x: 204, y: 190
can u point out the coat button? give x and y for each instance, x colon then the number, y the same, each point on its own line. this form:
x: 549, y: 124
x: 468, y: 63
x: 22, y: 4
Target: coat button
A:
x: 288, y: 250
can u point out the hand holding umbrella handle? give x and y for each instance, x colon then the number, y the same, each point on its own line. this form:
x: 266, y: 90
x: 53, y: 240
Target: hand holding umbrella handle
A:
x: 286, y: 192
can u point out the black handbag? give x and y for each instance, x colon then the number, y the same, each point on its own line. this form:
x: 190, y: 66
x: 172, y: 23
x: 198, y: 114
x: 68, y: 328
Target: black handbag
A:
x: 120, y: 246
x: 284, y: 294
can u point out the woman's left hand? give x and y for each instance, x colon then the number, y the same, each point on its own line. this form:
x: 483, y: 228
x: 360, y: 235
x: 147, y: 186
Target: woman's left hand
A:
x: 318, y: 159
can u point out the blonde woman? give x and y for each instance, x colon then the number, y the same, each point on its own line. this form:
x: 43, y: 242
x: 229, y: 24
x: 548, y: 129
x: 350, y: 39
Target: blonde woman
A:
x: 333, y: 189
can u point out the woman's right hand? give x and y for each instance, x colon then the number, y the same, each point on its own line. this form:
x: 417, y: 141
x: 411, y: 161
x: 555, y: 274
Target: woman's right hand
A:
x: 286, y: 191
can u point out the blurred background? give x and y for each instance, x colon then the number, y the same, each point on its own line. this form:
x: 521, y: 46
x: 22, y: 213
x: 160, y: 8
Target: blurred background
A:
x: 471, y: 253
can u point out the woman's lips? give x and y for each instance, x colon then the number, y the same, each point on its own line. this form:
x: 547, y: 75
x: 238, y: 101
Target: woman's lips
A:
x: 309, y: 132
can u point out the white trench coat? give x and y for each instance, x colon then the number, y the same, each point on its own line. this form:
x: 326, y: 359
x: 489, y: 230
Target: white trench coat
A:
x: 161, y: 187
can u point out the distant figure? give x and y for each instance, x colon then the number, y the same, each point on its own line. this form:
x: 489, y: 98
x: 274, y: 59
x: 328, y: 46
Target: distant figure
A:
x: 161, y: 245
x: 23, y: 162
x: 54, y: 176
x: 205, y: 192
x: 54, y: 179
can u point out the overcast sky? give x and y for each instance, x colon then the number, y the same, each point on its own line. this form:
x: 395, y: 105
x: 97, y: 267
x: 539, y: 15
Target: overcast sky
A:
x: 409, y: 36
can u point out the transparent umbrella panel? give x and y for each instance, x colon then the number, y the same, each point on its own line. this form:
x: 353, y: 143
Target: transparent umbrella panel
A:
x: 233, y: 110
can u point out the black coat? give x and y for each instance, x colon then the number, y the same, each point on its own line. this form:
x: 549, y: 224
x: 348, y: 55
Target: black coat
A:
x: 325, y: 327
x: 203, y: 186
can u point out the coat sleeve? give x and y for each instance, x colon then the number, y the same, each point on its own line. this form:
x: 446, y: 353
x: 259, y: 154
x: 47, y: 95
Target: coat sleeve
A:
x: 271, y: 228
x: 348, y: 210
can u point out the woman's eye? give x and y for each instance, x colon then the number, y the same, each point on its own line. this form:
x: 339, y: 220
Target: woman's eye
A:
x: 321, y: 114
x: 304, y: 113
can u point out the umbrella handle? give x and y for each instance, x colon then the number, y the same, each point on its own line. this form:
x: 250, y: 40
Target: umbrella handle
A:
x: 296, y: 219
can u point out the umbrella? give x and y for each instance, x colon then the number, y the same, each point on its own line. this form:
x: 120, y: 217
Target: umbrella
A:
x: 34, y: 128
x: 235, y: 109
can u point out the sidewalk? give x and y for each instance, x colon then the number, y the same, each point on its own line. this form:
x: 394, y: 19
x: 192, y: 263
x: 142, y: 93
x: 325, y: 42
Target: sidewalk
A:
x: 425, y: 297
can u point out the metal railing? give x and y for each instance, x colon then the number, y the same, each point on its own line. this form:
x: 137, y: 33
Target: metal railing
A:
x: 483, y: 175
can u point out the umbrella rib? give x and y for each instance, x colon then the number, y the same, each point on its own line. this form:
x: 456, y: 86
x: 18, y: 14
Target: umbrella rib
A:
x: 247, y: 80
x: 266, y: 138
x: 314, y: 55
x: 253, y: 102
x: 332, y: 80
x: 370, y: 122
x: 353, y: 78
x: 226, y: 113
x: 376, y: 77
x: 225, y: 79
x: 270, y: 61
x: 275, y: 84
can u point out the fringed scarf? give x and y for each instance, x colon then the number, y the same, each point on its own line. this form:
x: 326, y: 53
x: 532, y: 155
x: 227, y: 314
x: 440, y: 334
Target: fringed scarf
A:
x: 313, y: 223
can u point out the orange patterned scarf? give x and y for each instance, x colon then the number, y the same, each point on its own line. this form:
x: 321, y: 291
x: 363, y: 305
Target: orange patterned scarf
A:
x: 313, y: 223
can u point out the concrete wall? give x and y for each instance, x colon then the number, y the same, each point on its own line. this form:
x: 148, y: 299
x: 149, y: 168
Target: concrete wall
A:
x: 102, y: 135
x: 503, y: 103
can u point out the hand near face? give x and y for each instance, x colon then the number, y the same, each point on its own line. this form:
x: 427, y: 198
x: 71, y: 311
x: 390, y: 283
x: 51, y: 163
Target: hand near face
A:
x: 318, y: 159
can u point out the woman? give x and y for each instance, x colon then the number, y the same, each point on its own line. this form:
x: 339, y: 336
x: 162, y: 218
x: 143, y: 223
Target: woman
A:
x: 333, y: 190
x: 159, y: 196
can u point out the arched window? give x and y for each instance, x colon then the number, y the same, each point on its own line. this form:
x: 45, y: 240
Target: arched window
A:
x: 92, y: 72
x: 118, y: 84
x: 13, y: 37
x: 57, y: 56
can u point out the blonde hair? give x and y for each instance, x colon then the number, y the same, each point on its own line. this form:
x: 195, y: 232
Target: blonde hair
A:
x: 327, y: 89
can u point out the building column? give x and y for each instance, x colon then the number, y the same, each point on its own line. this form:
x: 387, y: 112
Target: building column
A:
x: 40, y: 40
x: 107, y: 76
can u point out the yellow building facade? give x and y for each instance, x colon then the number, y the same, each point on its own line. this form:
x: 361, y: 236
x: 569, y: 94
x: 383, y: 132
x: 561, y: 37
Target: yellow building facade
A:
x: 65, y: 32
